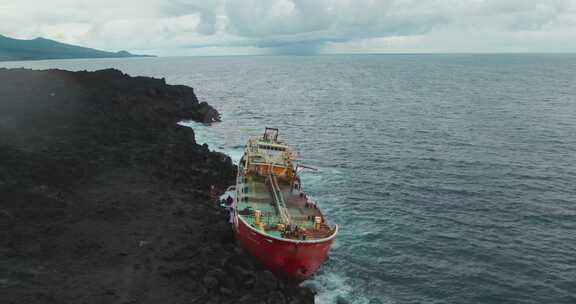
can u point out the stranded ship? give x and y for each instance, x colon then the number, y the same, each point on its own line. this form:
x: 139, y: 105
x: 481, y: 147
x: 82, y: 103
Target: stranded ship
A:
x: 273, y: 218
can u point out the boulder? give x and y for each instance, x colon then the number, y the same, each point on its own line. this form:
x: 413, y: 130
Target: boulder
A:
x: 266, y: 281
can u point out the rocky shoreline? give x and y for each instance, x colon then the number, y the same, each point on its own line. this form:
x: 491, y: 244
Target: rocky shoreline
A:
x: 104, y: 198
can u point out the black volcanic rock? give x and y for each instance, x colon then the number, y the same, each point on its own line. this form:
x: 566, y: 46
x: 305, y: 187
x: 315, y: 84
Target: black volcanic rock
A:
x: 41, y: 48
x: 104, y: 197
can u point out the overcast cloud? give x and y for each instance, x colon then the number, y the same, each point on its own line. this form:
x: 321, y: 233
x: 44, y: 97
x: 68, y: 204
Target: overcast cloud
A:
x: 187, y: 27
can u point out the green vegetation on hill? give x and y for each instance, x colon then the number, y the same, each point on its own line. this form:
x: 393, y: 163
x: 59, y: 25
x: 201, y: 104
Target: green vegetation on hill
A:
x: 40, y: 48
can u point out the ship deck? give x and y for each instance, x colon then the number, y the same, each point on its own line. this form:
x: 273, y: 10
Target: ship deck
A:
x: 254, y: 194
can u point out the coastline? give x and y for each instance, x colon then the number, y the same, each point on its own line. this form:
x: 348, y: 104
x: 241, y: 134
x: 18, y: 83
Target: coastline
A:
x: 105, y: 197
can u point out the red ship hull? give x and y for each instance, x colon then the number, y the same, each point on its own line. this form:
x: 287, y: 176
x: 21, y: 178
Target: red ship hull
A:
x: 294, y: 259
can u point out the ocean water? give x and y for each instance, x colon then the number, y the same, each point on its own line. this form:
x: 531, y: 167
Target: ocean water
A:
x: 453, y: 177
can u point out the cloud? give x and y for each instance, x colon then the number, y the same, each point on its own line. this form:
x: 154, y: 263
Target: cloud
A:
x: 205, y: 10
x: 297, y: 26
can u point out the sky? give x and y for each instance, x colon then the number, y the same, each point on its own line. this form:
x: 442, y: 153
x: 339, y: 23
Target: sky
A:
x: 246, y: 27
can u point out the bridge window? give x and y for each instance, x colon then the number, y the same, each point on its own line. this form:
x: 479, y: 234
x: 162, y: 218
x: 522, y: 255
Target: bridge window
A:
x: 272, y: 148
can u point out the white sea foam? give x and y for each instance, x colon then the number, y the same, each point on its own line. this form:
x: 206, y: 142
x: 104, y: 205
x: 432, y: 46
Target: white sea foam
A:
x: 329, y: 286
x: 204, y: 135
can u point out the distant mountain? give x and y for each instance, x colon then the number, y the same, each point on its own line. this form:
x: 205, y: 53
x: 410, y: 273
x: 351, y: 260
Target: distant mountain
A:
x: 40, y: 48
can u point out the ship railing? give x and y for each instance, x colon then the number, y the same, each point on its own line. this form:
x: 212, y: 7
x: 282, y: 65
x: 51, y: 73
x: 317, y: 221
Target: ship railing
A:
x: 271, y: 222
x: 298, y: 220
x: 266, y: 217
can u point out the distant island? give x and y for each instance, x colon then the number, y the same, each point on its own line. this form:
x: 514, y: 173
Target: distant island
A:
x: 40, y: 48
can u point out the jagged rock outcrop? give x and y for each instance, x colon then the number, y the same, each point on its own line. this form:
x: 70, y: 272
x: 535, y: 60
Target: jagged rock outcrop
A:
x: 104, y: 198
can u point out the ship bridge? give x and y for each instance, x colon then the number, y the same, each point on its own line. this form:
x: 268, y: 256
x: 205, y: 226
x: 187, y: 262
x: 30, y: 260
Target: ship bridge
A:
x: 266, y: 155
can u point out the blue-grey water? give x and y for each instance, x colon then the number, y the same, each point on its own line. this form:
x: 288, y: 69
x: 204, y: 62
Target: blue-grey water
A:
x: 453, y: 177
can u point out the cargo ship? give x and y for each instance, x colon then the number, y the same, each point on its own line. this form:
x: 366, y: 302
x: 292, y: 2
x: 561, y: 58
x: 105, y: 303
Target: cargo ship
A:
x: 273, y: 218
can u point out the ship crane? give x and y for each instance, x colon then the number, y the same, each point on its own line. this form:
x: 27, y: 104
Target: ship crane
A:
x: 278, y: 199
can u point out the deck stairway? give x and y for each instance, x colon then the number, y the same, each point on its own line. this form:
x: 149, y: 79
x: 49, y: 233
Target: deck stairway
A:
x: 278, y: 198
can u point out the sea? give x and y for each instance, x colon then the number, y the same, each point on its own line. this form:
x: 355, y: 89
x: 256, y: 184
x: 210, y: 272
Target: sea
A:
x: 452, y: 176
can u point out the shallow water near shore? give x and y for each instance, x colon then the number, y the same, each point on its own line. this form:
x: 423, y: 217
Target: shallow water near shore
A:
x: 452, y: 176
